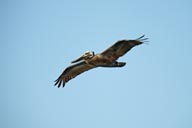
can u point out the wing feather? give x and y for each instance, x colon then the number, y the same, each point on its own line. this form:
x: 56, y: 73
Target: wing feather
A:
x: 122, y: 47
x: 72, y: 71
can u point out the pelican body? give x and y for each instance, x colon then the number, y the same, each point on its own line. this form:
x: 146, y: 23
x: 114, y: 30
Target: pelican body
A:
x: 90, y: 60
x: 99, y: 60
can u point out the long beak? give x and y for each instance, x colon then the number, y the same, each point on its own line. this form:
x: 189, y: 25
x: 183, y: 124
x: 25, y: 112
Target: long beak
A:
x: 79, y: 59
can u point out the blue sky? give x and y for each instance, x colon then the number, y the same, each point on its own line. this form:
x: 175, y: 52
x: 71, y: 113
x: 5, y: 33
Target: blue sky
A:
x: 39, y: 38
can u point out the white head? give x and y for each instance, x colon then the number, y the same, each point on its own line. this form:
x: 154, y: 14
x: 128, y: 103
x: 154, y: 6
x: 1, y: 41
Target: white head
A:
x: 87, y: 55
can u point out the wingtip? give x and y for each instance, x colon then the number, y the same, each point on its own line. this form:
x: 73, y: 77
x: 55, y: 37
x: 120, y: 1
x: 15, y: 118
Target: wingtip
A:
x: 62, y: 83
x: 56, y: 82
x: 59, y: 83
x: 141, y: 39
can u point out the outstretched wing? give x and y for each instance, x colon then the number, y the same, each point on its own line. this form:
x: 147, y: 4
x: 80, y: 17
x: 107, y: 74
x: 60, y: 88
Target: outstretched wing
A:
x: 72, y: 71
x: 123, y: 46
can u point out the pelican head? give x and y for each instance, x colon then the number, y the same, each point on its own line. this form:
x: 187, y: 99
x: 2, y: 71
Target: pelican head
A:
x: 86, y: 56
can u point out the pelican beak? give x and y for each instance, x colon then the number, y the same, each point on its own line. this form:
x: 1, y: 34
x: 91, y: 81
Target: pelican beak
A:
x: 79, y: 59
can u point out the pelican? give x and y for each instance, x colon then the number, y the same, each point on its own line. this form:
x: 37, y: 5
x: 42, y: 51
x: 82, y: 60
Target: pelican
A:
x: 90, y: 60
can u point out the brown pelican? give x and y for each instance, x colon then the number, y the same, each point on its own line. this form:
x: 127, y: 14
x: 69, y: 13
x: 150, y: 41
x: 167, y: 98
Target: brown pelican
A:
x: 108, y: 58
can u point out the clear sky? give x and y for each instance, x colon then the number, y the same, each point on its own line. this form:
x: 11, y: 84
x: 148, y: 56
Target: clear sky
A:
x: 39, y: 39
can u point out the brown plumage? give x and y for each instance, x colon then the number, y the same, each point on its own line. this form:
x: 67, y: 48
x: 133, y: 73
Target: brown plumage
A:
x: 105, y: 59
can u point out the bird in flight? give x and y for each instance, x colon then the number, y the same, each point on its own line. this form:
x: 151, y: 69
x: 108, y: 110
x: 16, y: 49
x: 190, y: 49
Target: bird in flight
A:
x: 90, y: 60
